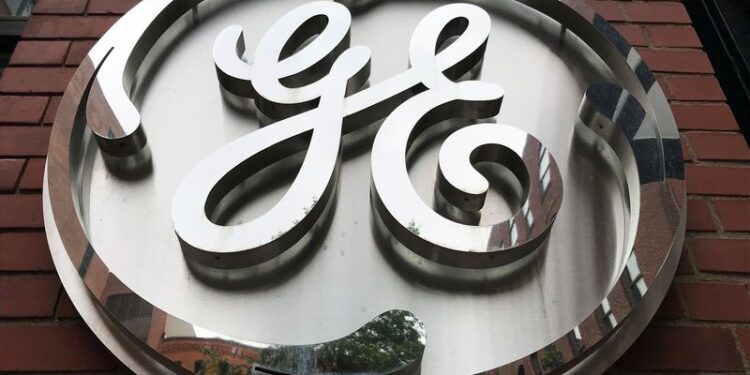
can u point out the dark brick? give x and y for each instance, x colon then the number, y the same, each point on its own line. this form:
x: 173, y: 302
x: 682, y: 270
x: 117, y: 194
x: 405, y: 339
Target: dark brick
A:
x: 25, y: 251
x: 704, y: 117
x: 22, y: 109
x: 21, y: 211
x: 656, y: 12
x: 49, y: 114
x: 78, y: 51
x: 716, y: 302
x: 684, y: 349
x: 53, y: 348
x: 699, y: 216
x: 734, y: 215
x: 673, y: 36
x: 32, y: 52
x: 33, y: 175
x: 35, y: 80
x: 59, y: 7
x: 10, y: 170
x: 692, y: 88
x: 24, y: 140
x: 722, y: 254
x: 111, y: 6
x: 633, y: 34
x: 68, y: 27
x: 717, y: 180
x: 609, y: 10
x: 719, y: 146
x: 670, y: 308
x: 676, y: 61
x: 28, y: 296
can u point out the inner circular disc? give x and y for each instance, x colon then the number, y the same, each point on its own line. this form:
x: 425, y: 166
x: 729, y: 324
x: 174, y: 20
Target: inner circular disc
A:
x: 347, y: 280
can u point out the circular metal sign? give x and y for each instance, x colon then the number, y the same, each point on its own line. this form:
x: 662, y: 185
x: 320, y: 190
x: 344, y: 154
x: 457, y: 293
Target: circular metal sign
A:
x: 288, y: 187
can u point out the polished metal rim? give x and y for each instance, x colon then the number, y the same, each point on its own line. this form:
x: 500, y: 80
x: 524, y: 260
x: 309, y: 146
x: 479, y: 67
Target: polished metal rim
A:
x: 636, y: 124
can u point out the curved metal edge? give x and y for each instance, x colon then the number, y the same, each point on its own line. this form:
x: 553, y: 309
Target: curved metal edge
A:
x: 572, y: 13
x: 89, y: 308
x: 63, y: 213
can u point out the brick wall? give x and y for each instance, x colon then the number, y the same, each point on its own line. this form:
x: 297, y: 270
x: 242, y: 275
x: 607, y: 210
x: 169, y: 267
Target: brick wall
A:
x: 702, y: 327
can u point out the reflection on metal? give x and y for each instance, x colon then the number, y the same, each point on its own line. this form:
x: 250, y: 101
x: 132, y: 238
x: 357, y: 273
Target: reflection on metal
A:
x: 392, y: 343
x: 285, y: 83
x: 310, y: 88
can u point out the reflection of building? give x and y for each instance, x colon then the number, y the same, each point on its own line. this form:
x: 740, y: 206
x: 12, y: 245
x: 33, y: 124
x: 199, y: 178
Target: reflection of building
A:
x: 544, y: 193
x: 209, y: 355
x: 640, y: 269
x: 173, y: 338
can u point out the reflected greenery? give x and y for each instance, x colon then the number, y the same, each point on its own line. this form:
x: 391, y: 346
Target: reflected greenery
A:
x: 391, y: 343
x: 215, y: 363
x: 553, y: 358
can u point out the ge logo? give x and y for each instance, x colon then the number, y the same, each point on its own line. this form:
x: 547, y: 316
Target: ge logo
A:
x: 315, y: 92
x: 389, y: 229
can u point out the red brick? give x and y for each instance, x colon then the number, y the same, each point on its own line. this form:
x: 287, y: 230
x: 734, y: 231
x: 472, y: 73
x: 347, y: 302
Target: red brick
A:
x: 685, y: 267
x: 49, y: 114
x: 35, y: 80
x: 717, y: 180
x: 656, y: 12
x: 734, y: 215
x: 704, y: 117
x: 21, y: 211
x: 78, y: 51
x: 33, y: 175
x: 670, y: 308
x: 68, y: 27
x: 24, y: 140
x: 25, y: 251
x: 609, y: 10
x: 22, y: 109
x: 28, y: 296
x: 39, y: 53
x: 716, y: 302
x: 111, y: 6
x: 676, y: 61
x: 699, y: 216
x: 684, y: 349
x: 53, y: 348
x: 743, y: 336
x: 673, y: 36
x: 65, y: 308
x: 10, y: 170
x: 633, y: 33
x: 692, y: 88
x: 687, y: 153
x: 722, y: 254
x: 719, y: 146
x: 59, y: 7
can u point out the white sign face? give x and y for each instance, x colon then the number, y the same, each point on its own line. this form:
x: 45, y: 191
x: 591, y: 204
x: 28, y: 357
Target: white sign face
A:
x: 288, y: 187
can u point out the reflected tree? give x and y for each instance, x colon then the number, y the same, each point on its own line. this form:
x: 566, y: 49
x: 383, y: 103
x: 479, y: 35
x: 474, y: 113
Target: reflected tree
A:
x: 393, y: 342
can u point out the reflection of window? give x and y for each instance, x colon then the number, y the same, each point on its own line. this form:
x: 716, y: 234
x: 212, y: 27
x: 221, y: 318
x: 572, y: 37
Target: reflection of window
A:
x: 223, y: 368
x: 132, y: 311
x: 199, y: 366
x: 609, y: 317
x: 638, y: 284
x: 534, y: 359
x: 13, y: 16
x: 513, y: 232
x: 528, y: 215
x: 544, y: 173
x: 576, y: 340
